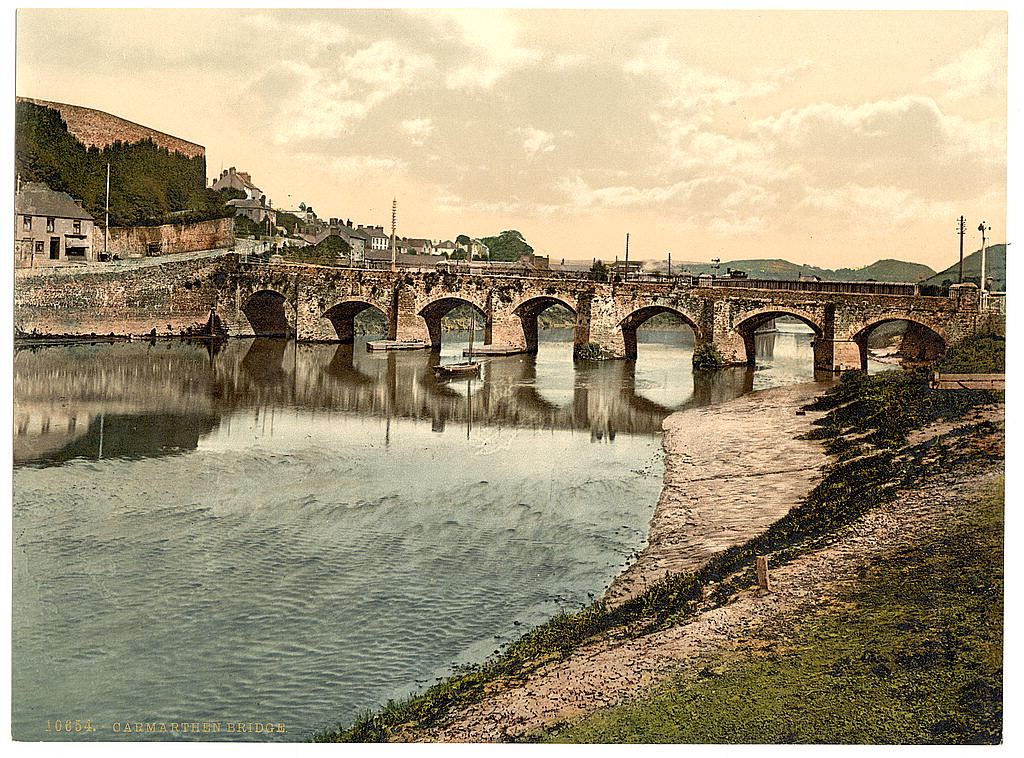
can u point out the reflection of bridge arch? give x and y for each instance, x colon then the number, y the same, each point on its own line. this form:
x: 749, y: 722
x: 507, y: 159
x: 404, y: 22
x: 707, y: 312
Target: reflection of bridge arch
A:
x: 639, y: 317
x: 748, y: 324
x: 270, y: 314
x: 437, y: 309
x: 528, y: 312
x: 922, y: 341
x: 342, y: 316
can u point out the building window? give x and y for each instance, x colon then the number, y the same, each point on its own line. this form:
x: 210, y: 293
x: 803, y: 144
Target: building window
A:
x: 49, y: 224
x: 78, y: 227
x: 39, y: 246
x: 27, y: 223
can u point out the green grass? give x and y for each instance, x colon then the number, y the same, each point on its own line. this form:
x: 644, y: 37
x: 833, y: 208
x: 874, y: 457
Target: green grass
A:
x: 880, y: 411
x: 911, y: 655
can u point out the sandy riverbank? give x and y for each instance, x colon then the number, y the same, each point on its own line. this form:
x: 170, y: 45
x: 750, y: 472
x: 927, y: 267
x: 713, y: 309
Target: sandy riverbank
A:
x: 731, y: 470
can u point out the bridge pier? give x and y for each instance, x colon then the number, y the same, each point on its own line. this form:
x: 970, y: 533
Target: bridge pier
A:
x: 838, y: 355
x: 405, y: 323
x: 505, y: 327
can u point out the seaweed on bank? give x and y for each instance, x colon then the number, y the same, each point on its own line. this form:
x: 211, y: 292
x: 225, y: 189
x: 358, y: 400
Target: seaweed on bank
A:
x: 881, y: 409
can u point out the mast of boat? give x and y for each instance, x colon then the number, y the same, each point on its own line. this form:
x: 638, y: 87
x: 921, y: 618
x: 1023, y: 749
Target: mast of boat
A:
x: 472, y: 331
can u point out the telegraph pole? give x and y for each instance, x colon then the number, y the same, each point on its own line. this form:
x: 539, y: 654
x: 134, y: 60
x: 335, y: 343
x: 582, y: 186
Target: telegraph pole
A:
x: 627, y: 256
x: 394, y: 225
x: 961, y: 230
x: 106, y: 217
x: 982, y: 228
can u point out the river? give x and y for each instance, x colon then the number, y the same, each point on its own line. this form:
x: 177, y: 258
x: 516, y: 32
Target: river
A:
x: 268, y: 532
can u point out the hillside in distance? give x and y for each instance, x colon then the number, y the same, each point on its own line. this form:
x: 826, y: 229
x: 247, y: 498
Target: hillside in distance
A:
x: 995, y: 269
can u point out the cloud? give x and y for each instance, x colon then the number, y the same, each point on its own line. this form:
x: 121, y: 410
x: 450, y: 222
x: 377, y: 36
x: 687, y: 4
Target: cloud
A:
x: 348, y: 166
x: 306, y: 101
x: 875, y: 205
x: 979, y: 70
x: 536, y: 140
x: 418, y: 128
x: 906, y: 142
x: 491, y: 38
x: 695, y: 91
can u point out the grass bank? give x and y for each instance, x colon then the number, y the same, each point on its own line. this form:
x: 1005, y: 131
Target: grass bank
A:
x: 867, y: 424
x: 912, y: 654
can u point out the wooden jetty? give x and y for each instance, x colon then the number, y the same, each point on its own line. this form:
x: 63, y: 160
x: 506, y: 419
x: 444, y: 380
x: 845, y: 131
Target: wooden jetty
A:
x: 396, y: 345
x: 492, y: 350
x: 968, y: 381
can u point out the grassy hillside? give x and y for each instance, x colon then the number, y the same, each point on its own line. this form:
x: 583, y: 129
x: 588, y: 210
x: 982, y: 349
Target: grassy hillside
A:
x: 995, y: 267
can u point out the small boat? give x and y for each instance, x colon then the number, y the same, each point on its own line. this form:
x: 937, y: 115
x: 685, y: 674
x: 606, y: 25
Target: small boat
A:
x: 467, y: 368
x: 396, y: 345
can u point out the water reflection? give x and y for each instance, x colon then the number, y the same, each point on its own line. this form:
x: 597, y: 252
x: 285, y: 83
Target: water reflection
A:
x: 138, y: 400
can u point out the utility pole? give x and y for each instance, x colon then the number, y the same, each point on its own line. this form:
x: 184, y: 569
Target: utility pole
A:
x: 106, y: 217
x: 982, y: 228
x: 394, y: 241
x: 627, y: 256
x: 961, y: 230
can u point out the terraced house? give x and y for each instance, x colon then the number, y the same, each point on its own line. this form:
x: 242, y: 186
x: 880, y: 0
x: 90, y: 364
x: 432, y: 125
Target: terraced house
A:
x: 50, y: 227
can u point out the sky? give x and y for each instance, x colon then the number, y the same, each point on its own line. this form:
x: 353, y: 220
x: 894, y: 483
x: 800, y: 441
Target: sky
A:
x: 822, y: 137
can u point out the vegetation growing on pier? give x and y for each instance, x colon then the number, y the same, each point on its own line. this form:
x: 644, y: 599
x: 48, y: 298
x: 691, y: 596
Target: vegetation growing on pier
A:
x: 868, y: 420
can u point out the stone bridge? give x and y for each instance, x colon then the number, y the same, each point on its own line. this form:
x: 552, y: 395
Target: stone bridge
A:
x: 319, y: 304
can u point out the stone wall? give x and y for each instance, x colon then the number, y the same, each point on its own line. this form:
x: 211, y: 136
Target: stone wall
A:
x: 169, y: 298
x: 168, y: 238
x: 93, y: 127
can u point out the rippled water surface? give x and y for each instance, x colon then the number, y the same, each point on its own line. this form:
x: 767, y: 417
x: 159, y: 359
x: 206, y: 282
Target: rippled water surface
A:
x: 272, y: 532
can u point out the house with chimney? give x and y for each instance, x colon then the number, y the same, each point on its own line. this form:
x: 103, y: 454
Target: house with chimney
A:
x: 50, y: 228
x: 255, y: 206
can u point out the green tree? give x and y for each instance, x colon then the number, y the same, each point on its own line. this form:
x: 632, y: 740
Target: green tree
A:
x: 510, y: 245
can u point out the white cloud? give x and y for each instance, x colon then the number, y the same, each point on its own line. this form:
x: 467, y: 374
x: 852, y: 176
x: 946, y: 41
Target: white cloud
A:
x: 695, y: 91
x: 875, y: 206
x: 979, y: 70
x: 536, y: 140
x: 492, y: 37
x: 908, y: 141
x: 347, y: 166
x: 418, y: 128
x: 307, y: 101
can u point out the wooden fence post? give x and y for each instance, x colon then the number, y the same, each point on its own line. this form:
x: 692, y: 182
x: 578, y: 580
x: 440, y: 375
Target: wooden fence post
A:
x: 764, y: 583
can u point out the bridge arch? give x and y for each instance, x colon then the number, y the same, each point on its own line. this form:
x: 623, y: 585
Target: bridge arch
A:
x: 921, y: 341
x: 270, y: 314
x: 748, y: 324
x: 528, y: 312
x: 632, y: 322
x: 342, y: 316
x: 435, y: 310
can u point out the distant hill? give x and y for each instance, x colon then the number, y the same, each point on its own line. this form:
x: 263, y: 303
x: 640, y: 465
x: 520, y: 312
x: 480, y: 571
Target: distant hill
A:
x: 888, y: 270
x: 995, y: 268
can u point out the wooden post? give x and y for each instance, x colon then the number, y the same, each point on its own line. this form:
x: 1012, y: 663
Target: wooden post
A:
x: 764, y: 583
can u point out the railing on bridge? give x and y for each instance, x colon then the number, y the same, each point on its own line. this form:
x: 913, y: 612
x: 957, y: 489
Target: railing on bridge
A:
x: 495, y: 269
x: 862, y: 288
